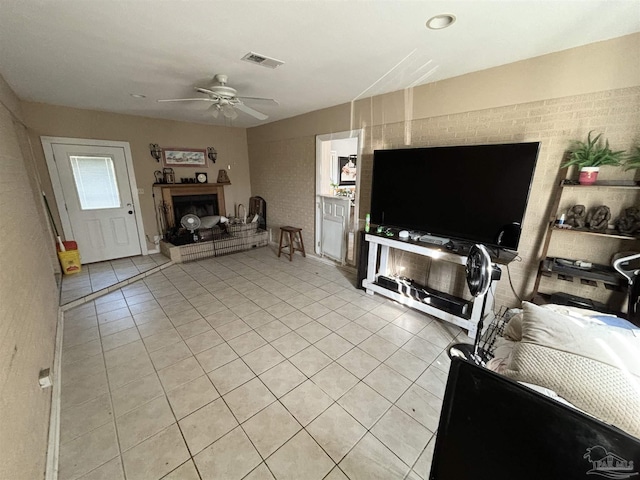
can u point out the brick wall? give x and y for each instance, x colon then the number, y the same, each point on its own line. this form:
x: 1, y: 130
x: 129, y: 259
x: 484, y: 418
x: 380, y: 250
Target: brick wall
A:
x: 554, y: 123
x: 283, y: 170
x: 283, y: 173
x: 28, y: 306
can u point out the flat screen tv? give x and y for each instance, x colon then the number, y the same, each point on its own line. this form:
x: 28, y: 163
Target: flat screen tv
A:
x: 493, y: 428
x: 476, y: 193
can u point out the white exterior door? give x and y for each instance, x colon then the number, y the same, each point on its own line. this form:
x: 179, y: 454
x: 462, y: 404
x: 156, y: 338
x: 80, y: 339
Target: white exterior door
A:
x: 335, y: 220
x: 95, y: 186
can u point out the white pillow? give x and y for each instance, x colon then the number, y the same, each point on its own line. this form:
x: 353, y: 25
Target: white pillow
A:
x: 209, y: 221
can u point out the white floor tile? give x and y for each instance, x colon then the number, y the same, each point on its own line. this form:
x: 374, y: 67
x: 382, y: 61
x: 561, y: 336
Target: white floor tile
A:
x: 306, y: 402
x: 271, y: 428
x: 248, y: 399
x: 278, y: 341
x: 206, y: 425
x: 300, y: 457
x: 192, y: 395
x: 156, y: 456
x: 232, y: 457
x: 401, y: 434
x: 371, y: 460
x: 336, y: 431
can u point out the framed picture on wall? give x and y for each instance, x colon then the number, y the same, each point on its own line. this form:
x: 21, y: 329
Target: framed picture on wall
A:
x: 184, y: 157
x: 347, y: 170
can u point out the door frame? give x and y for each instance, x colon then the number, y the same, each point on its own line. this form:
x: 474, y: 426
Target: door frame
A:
x: 320, y: 144
x: 47, y: 147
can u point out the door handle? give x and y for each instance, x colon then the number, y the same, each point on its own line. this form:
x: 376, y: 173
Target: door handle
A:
x: 130, y: 212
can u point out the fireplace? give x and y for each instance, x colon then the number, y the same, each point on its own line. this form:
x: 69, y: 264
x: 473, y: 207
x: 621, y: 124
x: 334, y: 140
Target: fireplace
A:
x: 201, y: 205
x: 201, y: 200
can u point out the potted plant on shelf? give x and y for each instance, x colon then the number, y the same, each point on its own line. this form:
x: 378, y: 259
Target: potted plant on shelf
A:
x: 633, y: 159
x: 589, y: 156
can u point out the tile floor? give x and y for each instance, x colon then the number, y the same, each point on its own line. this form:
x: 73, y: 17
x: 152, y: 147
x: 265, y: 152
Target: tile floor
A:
x: 96, y: 276
x: 254, y: 367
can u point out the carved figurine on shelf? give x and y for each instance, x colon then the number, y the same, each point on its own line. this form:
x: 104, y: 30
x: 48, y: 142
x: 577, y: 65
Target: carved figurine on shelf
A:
x: 169, y: 175
x: 576, y: 216
x: 629, y: 222
x: 223, y: 177
x: 598, y: 218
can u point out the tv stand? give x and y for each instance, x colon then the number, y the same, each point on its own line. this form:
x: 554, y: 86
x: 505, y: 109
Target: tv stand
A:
x: 411, y: 297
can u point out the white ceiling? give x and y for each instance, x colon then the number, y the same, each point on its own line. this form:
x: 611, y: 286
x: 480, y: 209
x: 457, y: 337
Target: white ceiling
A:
x: 94, y: 53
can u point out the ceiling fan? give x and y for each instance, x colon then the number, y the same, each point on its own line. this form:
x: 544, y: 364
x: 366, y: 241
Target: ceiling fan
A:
x: 225, y: 100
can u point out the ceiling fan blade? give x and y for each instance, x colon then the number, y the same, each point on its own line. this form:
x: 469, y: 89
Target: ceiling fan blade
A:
x: 211, y: 93
x: 206, y: 90
x: 188, y: 100
x: 259, y: 99
x: 251, y: 111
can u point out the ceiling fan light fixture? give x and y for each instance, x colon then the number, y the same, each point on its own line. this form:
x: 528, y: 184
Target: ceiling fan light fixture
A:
x: 224, y: 99
x: 441, y: 21
x: 214, y: 110
x: 229, y: 112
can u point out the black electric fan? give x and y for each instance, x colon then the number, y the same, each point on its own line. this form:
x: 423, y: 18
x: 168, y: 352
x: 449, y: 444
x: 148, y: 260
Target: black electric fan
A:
x: 629, y: 267
x: 192, y: 223
x: 480, y: 273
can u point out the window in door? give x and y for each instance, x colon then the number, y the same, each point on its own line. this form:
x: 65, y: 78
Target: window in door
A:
x: 95, y: 180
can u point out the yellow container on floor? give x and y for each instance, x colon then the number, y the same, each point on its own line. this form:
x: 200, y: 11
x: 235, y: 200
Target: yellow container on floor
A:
x: 70, y: 262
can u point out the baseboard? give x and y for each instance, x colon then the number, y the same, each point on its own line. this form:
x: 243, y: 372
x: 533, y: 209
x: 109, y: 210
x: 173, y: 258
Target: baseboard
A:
x: 155, y: 250
x: 53, y: 448
x: 318, y: 258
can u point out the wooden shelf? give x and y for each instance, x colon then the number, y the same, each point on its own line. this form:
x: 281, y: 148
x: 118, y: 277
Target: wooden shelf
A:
x: 600, y: 273
x: 624, y: 186
x: 563, y: 183
x: 182, y: 185
x: 606, y: 233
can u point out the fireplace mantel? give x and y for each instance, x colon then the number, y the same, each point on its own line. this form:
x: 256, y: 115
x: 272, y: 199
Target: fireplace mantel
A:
x: 190, y: 185
x: 170, y: 190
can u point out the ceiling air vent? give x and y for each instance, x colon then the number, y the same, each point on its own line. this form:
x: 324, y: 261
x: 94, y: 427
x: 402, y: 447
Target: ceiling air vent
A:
x: 258, y: 59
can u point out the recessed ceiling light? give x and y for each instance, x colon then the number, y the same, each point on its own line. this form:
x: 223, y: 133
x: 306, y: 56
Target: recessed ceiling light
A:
x: 137, y: 95
x: 441, y: 21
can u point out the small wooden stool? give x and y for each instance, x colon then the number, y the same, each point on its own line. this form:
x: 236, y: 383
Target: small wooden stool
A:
x: 293, y: 232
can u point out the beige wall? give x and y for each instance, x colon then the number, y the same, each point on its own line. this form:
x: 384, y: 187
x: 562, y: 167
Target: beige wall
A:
x: 552, y: 99
x: 231, y: 144
x: 28, y: 302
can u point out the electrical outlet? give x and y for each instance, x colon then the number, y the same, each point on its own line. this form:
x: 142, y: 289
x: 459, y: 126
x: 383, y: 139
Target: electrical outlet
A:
x: 44, y: 379
x: 141, y: 191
